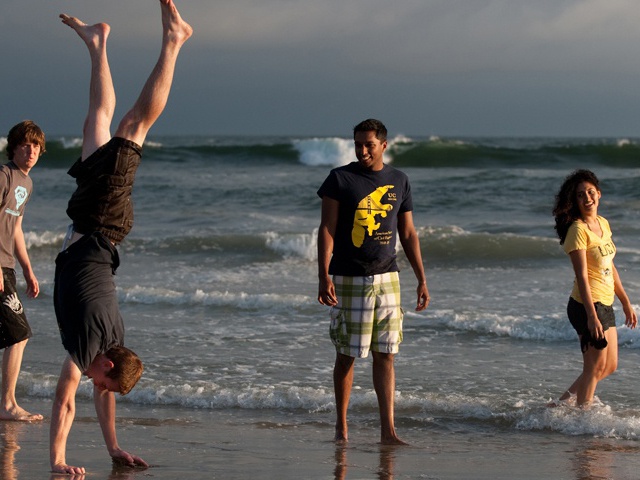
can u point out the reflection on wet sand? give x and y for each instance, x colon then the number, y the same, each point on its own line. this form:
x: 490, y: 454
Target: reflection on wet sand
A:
x: 599, y: 458
x: 386, y: 464
x: 10, y: 435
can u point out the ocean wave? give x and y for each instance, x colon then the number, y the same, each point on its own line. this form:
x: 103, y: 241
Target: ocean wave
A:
x: 336, y: 151
x: 451, y: 244
x: 293, y: 245
x: 412, y: 409
x: 240, y: 300
x: 530, y: 327
x: 43, y: 239
x: 432, y: 152
x: 458, y: 246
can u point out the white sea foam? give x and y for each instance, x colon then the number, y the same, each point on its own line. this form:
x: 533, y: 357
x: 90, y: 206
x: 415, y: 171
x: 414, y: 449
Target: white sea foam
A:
x: 242, y: 300
x: 325, y: 151
x: 73, y: 142
x: 335, y: 151
x: 297, y: 245
x: 43, y: 239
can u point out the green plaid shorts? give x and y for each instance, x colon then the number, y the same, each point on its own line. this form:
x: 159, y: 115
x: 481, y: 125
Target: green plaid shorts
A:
x: 368, y: 315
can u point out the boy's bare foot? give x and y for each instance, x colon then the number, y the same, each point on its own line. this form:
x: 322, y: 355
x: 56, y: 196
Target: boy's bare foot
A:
x: 175, y: 28
x: 19, y: 414
x: 93, y: 35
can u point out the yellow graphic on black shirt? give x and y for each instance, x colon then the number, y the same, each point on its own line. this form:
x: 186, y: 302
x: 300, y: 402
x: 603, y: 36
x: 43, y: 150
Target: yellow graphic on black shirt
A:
x: 365, y: 217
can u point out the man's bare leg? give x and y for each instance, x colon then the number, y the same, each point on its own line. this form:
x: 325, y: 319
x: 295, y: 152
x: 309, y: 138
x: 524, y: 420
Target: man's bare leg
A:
x: 102, y: 97
x: 11, y: 362
x: 175, y: 31
x: 342, y: 382
x: 384, y: 383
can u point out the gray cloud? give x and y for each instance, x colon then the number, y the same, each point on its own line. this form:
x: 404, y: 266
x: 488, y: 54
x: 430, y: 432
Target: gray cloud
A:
x: 447, y: 67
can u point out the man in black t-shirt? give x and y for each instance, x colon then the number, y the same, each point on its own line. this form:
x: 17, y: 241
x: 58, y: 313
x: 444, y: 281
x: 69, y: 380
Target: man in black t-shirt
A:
x: 365, y: 205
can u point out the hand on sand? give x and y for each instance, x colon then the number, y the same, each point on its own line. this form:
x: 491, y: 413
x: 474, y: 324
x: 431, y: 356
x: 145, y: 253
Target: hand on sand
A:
x: 120, y: 457
x: 67, y: 470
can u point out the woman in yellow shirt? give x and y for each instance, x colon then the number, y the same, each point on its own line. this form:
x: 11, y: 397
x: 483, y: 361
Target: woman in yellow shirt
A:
x: 586, y: 238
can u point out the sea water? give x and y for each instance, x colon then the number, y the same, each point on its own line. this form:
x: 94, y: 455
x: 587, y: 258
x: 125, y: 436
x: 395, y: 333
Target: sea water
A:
x: 218, y: 282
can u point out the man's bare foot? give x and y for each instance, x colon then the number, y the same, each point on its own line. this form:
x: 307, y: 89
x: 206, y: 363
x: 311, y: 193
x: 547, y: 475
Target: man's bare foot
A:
x: 94, y: 36
x: 393, y: 440
x: 341, y: 436
x: 19, y: 414
x: 175, y: 28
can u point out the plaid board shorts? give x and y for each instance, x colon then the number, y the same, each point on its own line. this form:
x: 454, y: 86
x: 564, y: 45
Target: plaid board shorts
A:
x: 368, y: 315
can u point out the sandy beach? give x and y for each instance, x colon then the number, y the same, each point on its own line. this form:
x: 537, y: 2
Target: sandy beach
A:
x: 273, y: 445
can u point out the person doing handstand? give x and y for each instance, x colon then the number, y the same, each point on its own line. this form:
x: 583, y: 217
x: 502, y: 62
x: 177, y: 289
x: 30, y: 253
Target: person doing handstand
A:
x: 85, y: 299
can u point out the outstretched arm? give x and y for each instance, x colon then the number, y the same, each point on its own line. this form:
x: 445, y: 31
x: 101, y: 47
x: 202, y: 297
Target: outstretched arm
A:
x: 411, y: 246
x: 326, y: 234
x: 63, y: 412
x: 20, y: 247
x: 105, y: 402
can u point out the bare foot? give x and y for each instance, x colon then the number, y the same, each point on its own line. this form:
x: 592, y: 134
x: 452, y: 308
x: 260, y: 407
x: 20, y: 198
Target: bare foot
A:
x: 392, y: 441
x: 341, y: 436
x: 175, y: 28
x: 94, y: 36
x: 19, y: 414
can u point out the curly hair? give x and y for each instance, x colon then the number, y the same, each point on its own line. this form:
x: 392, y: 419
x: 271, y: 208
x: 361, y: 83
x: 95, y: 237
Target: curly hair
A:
x: 566, y: 209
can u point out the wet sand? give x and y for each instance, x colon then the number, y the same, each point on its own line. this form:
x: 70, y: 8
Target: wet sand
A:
x: 202, y: 444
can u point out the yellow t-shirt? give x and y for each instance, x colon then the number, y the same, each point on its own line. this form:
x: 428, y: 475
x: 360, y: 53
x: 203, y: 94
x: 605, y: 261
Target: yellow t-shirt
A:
x: 600, y: 253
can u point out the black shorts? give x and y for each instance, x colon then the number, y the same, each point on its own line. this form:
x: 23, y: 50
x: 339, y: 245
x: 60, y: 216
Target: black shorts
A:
x: 578, y: 318
x: 14, y: 327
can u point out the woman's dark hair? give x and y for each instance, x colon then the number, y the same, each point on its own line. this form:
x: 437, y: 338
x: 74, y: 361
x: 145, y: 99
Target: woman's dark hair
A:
x: 566, y: 209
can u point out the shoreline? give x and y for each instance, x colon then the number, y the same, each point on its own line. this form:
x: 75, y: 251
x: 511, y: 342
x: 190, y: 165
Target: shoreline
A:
x: 236, y: 444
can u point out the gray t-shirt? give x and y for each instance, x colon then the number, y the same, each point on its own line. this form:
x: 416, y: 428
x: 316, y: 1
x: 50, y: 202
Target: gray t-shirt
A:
x: 15, y: 191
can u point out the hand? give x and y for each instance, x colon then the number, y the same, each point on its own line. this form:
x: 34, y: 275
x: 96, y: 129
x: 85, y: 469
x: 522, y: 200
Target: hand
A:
x: 121, y: 457
x: 423, y: 297
x: 33, y: 287
x: 327, y: 292
x: 631, y: 319
x: 596, y: 330
x: 67, y: 469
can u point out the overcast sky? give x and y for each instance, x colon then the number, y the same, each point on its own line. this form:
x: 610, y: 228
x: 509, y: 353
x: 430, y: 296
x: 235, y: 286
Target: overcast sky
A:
x: 301, y: 67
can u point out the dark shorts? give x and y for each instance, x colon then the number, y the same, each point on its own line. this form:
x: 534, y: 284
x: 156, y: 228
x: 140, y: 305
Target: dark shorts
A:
x: 102, y: 200
x: 578, y: 318
x: 14, y: 327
